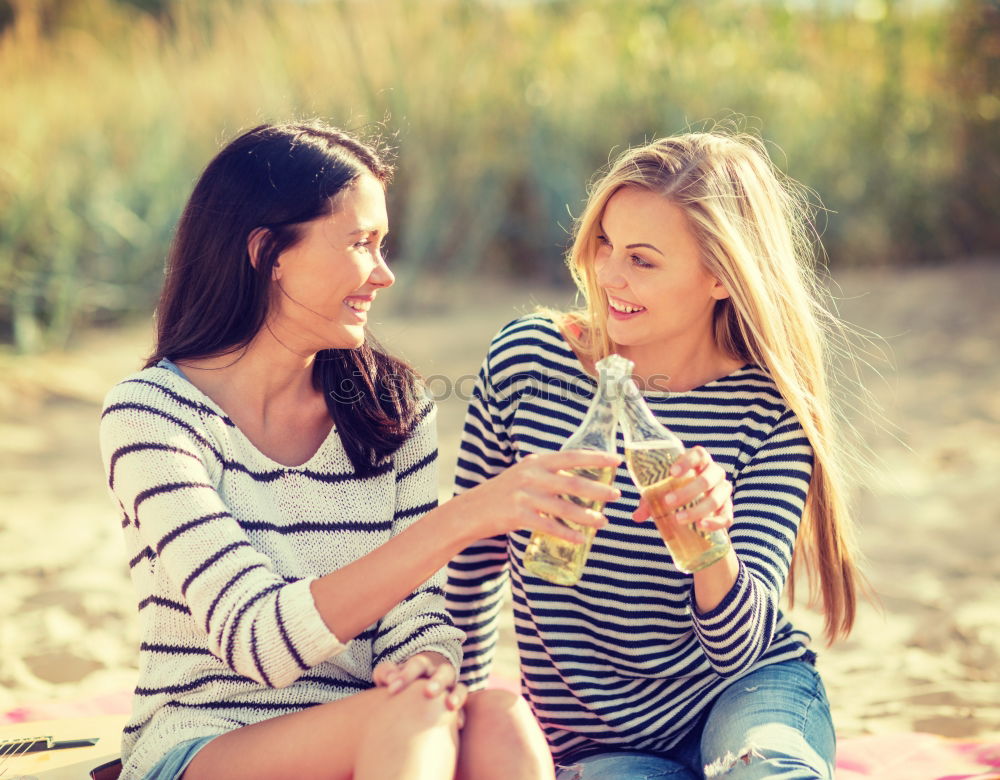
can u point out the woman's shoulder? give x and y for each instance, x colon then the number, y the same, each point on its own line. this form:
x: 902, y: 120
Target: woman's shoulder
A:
x: 158, y: 390
x: 748, y: 384
x: 530, y: 336
x: 753, y: 392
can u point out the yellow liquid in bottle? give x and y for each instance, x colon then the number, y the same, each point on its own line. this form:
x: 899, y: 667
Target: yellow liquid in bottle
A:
x: 691, y: 548
x: 557, y: 560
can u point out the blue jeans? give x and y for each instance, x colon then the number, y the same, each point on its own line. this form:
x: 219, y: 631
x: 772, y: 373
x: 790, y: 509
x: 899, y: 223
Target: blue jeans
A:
x: 173, y: 764
x: 775, y: 722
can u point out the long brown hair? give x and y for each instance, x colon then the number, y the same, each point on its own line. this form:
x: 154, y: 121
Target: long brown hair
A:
x: 215, y: 300
x: 752, y: 226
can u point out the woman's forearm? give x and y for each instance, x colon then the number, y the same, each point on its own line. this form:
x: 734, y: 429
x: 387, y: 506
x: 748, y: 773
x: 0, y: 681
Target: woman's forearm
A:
x: 352, y: 598
x: 526, y: 495
x: 712, y: 583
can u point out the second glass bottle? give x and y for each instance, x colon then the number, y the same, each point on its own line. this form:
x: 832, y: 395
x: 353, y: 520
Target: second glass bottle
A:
x: 650, y: 450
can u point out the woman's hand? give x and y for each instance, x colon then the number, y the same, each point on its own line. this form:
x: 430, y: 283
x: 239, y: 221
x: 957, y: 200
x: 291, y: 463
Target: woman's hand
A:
x: 531, y: 494
x: 709, y: 488
x: 432, y: 667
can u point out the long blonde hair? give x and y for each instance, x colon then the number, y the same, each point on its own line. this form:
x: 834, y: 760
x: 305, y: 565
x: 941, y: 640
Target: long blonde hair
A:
x: 752, y: 226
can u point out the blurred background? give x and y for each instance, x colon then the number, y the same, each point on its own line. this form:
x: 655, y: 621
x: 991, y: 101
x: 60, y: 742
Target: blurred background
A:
x: 499, y: 112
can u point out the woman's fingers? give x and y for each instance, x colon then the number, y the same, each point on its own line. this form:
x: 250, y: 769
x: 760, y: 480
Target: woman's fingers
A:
x: 713, y: 478
x: 442, y: 679
x: 573, y: 459
x: 558, y: 473
x: 642, y: 513
x: 713, y: 510
x: 704, y: 495
x: 546, y: 512
x: 456, y: 700
x: 694, y: 459
x: 723, y: 518
x: 564, y: 483
x: 415, y: 667
x: 384, y: 672
x: 538, y: 474
x: 708, y: 505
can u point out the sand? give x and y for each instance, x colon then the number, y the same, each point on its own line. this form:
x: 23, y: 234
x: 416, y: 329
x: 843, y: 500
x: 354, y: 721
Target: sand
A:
x: 927, y: 659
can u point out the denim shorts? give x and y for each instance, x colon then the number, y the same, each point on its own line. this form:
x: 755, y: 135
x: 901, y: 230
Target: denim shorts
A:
x: 773, y: 723
x: 173, y: 764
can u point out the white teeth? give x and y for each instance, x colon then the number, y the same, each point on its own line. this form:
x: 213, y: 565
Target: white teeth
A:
x: 624, y: 307
x: 359, y: 305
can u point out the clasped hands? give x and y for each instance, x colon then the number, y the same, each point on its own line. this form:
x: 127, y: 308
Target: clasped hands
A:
x: 431, y: 670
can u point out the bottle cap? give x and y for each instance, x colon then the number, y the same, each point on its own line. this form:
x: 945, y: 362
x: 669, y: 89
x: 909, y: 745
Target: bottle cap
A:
x: 616, y: 365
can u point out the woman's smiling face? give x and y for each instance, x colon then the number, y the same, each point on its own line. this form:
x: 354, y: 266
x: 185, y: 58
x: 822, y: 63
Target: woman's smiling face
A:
x: 648, y: 263
x: 327, y: 281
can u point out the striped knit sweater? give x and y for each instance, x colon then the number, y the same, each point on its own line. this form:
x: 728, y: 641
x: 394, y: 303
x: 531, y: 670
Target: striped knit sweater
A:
x: 223, y: 543
x: 624, y: 659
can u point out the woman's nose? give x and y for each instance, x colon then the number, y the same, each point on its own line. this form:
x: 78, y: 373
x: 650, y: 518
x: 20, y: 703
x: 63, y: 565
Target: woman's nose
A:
x: 608, y: 273
x: 382, y: 275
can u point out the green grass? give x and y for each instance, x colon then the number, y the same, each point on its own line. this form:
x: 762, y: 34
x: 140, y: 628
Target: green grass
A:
x: 500, y: 114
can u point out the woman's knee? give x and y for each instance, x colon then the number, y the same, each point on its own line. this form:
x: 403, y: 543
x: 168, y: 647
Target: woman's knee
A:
x: 502, y: 739
x: 500, y: 710
x: 410, y: 710
x: 773, y: 723
x: 757, y: 763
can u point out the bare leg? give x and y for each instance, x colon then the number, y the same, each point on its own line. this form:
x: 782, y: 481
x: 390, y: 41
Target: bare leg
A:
x: 414, y: 739
x: 501, y: 739
x: 368, y: 736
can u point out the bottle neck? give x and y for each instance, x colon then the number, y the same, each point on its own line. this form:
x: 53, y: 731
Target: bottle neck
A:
x: 639, y: 424
x: 598, y: 428
x: 635, y: 409
x: 607, y: 404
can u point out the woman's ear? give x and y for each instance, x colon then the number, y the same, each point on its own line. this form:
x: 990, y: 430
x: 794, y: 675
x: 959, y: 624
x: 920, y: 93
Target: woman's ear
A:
x: 718, y: 291
x: 255, y: 245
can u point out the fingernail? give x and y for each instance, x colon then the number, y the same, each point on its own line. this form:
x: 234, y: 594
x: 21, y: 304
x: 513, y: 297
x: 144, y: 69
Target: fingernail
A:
x: 675, y: 470
x: 395, y: 685
x: 670, y: 498
x: 433, y: 688
x: 682, y: 515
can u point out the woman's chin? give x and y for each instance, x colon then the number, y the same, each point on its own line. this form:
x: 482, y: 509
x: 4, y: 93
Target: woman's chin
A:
x: 349, y: 337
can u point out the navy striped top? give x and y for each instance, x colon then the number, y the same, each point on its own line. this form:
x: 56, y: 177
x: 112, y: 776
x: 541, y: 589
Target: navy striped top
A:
x: 223, y: 543
x: 624, y: 659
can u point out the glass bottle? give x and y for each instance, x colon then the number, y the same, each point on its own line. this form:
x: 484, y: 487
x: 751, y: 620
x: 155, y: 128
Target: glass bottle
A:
x: 557, y: 560
x: 650, y: 450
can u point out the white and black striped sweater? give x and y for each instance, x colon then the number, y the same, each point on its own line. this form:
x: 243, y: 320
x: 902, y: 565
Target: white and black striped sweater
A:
x: 223, y: 543
x: 624, y: 659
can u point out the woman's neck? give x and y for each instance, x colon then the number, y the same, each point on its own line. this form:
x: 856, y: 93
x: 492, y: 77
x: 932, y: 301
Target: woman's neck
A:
x: 679, y: 367
x: 255, y: 380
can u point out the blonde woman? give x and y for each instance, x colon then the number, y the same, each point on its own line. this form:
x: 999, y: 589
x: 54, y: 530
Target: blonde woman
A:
x: 693, y: 259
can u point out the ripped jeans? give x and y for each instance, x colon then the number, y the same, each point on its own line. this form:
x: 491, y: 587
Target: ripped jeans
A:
x: 773, y: 723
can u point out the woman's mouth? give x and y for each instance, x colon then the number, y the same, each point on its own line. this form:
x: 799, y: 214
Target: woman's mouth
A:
x: 621, y: 310
x: 359, y: 306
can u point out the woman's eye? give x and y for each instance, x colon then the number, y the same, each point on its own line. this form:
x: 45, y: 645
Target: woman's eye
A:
x: 603, y: 240
x: 638, y: 262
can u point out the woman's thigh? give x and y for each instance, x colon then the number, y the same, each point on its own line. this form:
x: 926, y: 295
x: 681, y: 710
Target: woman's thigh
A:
x: 773, y: 723
x: 330, y: 740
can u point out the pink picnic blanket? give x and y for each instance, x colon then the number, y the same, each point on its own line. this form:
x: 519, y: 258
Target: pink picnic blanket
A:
x: 916, y: 756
